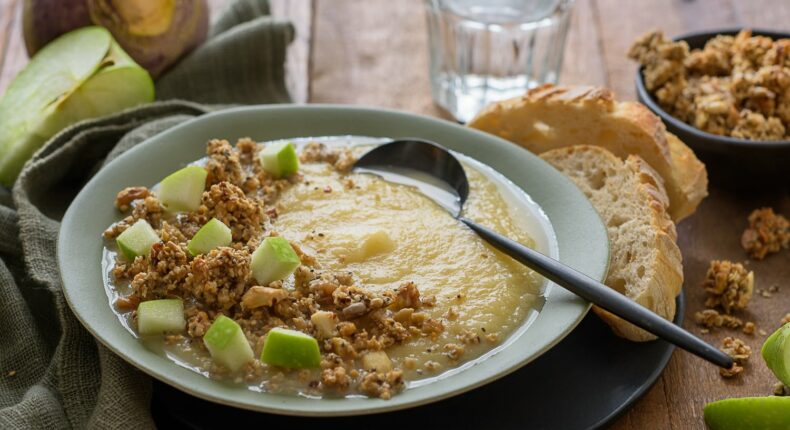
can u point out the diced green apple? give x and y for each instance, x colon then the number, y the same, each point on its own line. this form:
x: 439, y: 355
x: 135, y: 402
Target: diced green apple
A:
x: 776, y: 353
x: 160, y: 316
x: 212, y: 235
x: 183, y: 189
x: 227, y: 344
x: 274, y: 260
x: 291, y: 349
x: 279, y: 159
x: 764, y: 413
x: 137, y: 239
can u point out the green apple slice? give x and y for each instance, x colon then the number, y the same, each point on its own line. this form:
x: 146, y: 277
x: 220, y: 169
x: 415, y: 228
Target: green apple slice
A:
x: 273, y: 260
x: 51, y: 92
x: 160, y: 316
x: 212, y: 235
x: 183, y: 189
x: 279, y: 159
x: 137, y: 239
x: 764, y: 413
x: 291, y: 349
x: 227, y: 344
x: 776, y: 353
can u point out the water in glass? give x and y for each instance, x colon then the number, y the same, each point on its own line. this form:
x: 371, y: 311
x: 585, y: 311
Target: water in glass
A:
x: 488, y: 50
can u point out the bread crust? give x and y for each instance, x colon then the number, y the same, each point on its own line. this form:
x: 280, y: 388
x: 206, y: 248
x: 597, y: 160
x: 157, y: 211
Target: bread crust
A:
x: 645, y: 239
x: 550, y: 117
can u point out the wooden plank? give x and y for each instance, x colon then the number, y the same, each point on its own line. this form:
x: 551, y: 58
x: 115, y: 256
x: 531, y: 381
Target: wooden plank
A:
x: 583, y: 61
x: 300, y: 13
x: 14, y: 55
x: 372, y: 53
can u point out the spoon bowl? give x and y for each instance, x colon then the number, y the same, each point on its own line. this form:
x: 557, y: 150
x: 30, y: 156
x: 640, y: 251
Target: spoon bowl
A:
x: 434, y: 171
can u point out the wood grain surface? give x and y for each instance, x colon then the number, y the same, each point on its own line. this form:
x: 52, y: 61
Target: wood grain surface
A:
x: 374, y: 52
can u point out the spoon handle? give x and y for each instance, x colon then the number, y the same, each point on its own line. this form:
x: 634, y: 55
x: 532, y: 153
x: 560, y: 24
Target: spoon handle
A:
x: 603, y: 296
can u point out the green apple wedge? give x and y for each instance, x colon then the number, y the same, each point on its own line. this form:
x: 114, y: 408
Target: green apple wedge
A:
x: 776, y: 353
x: 764, y: 413
x: 137, y: 239
x: 82, y: 74
x: 279, y: 159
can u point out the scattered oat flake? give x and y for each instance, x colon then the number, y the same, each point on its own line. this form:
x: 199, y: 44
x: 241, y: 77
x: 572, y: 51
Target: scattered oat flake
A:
x: 762, y: 332
x: 781, y: 389
x: 11, y: 373
x: 785, y: 320
x: 749, y: 328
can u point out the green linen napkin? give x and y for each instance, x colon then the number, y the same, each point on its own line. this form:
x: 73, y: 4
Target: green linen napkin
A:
x: 53, y: 373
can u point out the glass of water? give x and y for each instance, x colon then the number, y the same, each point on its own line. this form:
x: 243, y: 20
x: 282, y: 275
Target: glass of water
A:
x: 488, y: 50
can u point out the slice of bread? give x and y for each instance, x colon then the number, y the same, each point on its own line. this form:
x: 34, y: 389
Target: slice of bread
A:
x: 550, y: 117
x: 645, y: 263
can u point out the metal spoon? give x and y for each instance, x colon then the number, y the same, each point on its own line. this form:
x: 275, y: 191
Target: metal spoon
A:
x: 440, y: 176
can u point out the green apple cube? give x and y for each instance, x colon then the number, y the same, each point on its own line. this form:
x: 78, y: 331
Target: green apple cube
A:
x: 279, y: 159
x: 212, y: 235
x: 82, y: 74
x: 160, y: 316
x: 137, y: 239
x: 764, y: 413
x: 291, y: 349
x: 274, y: 260
x: 227, y: 344
x: 776, y: 353
x: 182, y: 190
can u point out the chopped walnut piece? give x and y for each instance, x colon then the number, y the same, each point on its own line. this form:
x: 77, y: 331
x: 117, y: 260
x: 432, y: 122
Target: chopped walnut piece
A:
x: 125, y: 197
x: 767, y: 233
x: 258, y: 296
x: 407, y: 296
x: 729, y: 285
x: 749, y: 328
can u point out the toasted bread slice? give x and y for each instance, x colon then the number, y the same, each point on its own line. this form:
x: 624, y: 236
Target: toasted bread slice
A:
x: 645, y: 263
x: 550, y: 117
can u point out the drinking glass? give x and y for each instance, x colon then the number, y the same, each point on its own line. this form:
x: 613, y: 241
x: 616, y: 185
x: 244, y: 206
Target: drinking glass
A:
x: 487, y: 50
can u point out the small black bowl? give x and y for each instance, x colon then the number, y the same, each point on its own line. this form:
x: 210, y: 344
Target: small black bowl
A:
x: 729, y: 160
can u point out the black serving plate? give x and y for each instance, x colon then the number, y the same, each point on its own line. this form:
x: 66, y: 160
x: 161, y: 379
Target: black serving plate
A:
x: 734, y: 162
x: 584, y: 382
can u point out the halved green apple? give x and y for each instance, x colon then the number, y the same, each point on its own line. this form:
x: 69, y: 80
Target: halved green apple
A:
x: 137, y: 239
x: 212, y: 235
x: 82, y: 74
x: 183, y: 189
x: 273, y: 260
x: 227, y: 344
x: 279, y: 159
x: 290, y: 348
x: 160, y: 316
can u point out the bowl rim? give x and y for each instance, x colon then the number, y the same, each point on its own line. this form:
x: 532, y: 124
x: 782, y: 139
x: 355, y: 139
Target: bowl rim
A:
x: 707, y: 138
x: 567, y: 310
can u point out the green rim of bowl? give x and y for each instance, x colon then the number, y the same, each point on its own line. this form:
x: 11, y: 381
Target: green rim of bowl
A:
x: 580, y: 233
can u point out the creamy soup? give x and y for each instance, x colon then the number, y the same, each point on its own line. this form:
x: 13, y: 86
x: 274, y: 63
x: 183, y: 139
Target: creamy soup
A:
x: 400, y: 276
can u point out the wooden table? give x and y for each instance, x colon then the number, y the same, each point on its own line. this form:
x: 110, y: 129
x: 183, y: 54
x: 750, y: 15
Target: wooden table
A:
x: 374, y: 52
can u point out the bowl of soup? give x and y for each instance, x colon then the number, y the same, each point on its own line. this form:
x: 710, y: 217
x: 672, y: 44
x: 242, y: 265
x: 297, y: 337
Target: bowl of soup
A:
x: 319, y: 290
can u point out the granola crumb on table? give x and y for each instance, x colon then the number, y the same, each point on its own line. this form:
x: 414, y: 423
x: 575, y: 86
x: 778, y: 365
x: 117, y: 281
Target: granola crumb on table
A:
x: 729, y: 286
x: 740, y: 353
x: 711, y: 318
x: 767, y: 233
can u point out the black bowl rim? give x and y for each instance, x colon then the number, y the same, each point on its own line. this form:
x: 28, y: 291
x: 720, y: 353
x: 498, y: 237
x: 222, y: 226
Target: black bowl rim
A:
x: 647, y: 98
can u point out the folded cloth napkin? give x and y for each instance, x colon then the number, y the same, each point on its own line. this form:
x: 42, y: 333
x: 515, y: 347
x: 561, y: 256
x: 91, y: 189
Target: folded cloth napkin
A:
x: 53, y: 373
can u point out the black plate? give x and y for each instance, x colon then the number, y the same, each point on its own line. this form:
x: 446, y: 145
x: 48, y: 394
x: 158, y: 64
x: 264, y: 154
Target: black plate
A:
x: 586, y: 381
